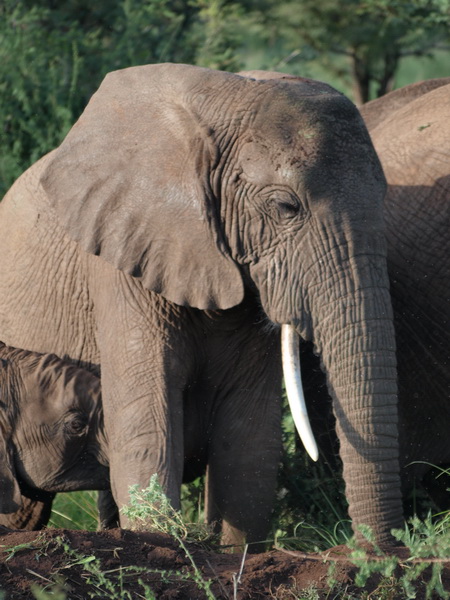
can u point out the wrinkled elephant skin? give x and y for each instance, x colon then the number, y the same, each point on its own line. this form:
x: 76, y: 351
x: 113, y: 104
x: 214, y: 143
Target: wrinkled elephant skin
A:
x: 413, y: 142
x: 410, y: 128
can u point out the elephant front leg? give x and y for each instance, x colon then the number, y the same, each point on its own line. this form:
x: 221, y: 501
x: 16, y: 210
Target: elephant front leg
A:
x: 145, y: 427
x: 142, y: 386
x: 108, y: 515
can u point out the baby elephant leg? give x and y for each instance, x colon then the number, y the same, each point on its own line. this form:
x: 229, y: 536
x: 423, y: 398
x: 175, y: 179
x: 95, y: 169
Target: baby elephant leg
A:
x: 34, y: 513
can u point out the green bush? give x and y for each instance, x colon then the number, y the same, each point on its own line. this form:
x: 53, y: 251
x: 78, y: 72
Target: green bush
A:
x: 53, y: 59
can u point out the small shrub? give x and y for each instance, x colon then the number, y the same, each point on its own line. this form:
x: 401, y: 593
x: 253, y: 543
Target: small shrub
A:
x: 428, y: 542
x: 150, y: 509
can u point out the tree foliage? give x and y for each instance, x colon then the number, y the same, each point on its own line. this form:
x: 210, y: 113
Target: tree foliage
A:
x: 54, y: 54
x: 373, y: 35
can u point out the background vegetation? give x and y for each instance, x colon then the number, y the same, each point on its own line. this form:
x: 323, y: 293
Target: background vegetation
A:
x: 54, y: 54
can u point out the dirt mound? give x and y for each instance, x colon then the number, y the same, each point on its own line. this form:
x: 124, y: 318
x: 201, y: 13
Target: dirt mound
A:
x: 123, y: 564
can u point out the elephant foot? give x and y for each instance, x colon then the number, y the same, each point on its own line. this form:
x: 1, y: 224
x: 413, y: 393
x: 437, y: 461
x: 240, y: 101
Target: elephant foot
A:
x: 234, y: 541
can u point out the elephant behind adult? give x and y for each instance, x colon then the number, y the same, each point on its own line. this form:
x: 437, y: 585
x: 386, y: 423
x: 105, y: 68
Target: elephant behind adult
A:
x: 187, y: 215
x: 413, y: 142
x: 410, y: 128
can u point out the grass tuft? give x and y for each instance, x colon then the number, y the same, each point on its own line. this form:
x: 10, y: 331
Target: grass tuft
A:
x: 75, y: 510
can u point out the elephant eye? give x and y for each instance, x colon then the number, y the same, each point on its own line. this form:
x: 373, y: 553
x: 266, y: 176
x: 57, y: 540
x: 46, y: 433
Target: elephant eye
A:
x: 287, y: 208
x: 283, y: 205
x: 77, y: 424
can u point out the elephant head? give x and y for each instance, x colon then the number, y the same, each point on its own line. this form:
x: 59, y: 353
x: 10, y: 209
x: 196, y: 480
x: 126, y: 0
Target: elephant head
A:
x: 207, y: 186
x: 51, y: 426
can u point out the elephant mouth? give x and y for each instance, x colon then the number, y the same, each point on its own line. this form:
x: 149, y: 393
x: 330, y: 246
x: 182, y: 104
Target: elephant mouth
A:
x: 294, y: 389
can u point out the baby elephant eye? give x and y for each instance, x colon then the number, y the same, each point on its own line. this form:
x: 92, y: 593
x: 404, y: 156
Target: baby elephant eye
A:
x: 76, y: 425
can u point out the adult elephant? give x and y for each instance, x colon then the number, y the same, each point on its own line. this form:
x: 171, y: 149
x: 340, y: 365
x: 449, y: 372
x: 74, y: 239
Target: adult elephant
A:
x: 410, y: 129
x: 187, y: 215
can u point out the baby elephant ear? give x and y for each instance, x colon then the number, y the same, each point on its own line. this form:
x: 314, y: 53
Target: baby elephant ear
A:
x: 130, y: 183
x: 10, y: 498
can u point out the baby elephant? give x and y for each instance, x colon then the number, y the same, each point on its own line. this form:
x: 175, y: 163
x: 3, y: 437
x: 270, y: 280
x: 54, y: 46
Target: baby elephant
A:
x: 52, y: 437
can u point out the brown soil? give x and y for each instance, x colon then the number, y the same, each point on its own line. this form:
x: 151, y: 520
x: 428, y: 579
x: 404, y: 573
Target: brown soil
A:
x: 30, y: 559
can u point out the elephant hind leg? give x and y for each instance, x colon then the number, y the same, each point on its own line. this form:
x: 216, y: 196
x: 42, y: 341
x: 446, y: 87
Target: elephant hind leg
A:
x: 238, y: 511
x: 242, y: 474
x: 108, y: 513
x: 231, y: 536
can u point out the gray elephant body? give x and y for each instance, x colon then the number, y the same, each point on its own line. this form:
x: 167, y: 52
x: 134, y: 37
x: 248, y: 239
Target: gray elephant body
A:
x: 187, y: 215
x: 52, y: 435
x: 411, y: 133
x: 410, y: 129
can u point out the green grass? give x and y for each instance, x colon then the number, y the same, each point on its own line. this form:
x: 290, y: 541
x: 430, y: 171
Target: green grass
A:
x: 78, y: 510
x: 75, y: 510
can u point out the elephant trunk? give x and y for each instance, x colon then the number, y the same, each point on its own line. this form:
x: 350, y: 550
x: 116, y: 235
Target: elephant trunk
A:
x: 355, y: 335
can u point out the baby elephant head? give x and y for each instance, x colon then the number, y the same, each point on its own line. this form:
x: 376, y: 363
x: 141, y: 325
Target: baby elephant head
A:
x: 51, y: 427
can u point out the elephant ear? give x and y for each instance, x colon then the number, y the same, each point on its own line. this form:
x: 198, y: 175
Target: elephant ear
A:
x: 130, y: 183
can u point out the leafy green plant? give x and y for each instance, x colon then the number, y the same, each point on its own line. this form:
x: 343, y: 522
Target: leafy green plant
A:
x: 39, y: 544
x: 107, y: 584
x: 382, y: 564
x: 426, y: 539
x: 428, y: 542
x: 150, y: 509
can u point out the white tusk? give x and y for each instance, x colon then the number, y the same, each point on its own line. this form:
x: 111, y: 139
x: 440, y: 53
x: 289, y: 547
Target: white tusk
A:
x: 294, y: 390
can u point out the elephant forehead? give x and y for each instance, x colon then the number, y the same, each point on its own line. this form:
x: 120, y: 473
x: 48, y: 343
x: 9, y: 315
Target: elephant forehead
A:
x: 262, y: 163
x: 304, y: 126
x: 282, y: 144
x: 290, y: 111
x: 292, y: 151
